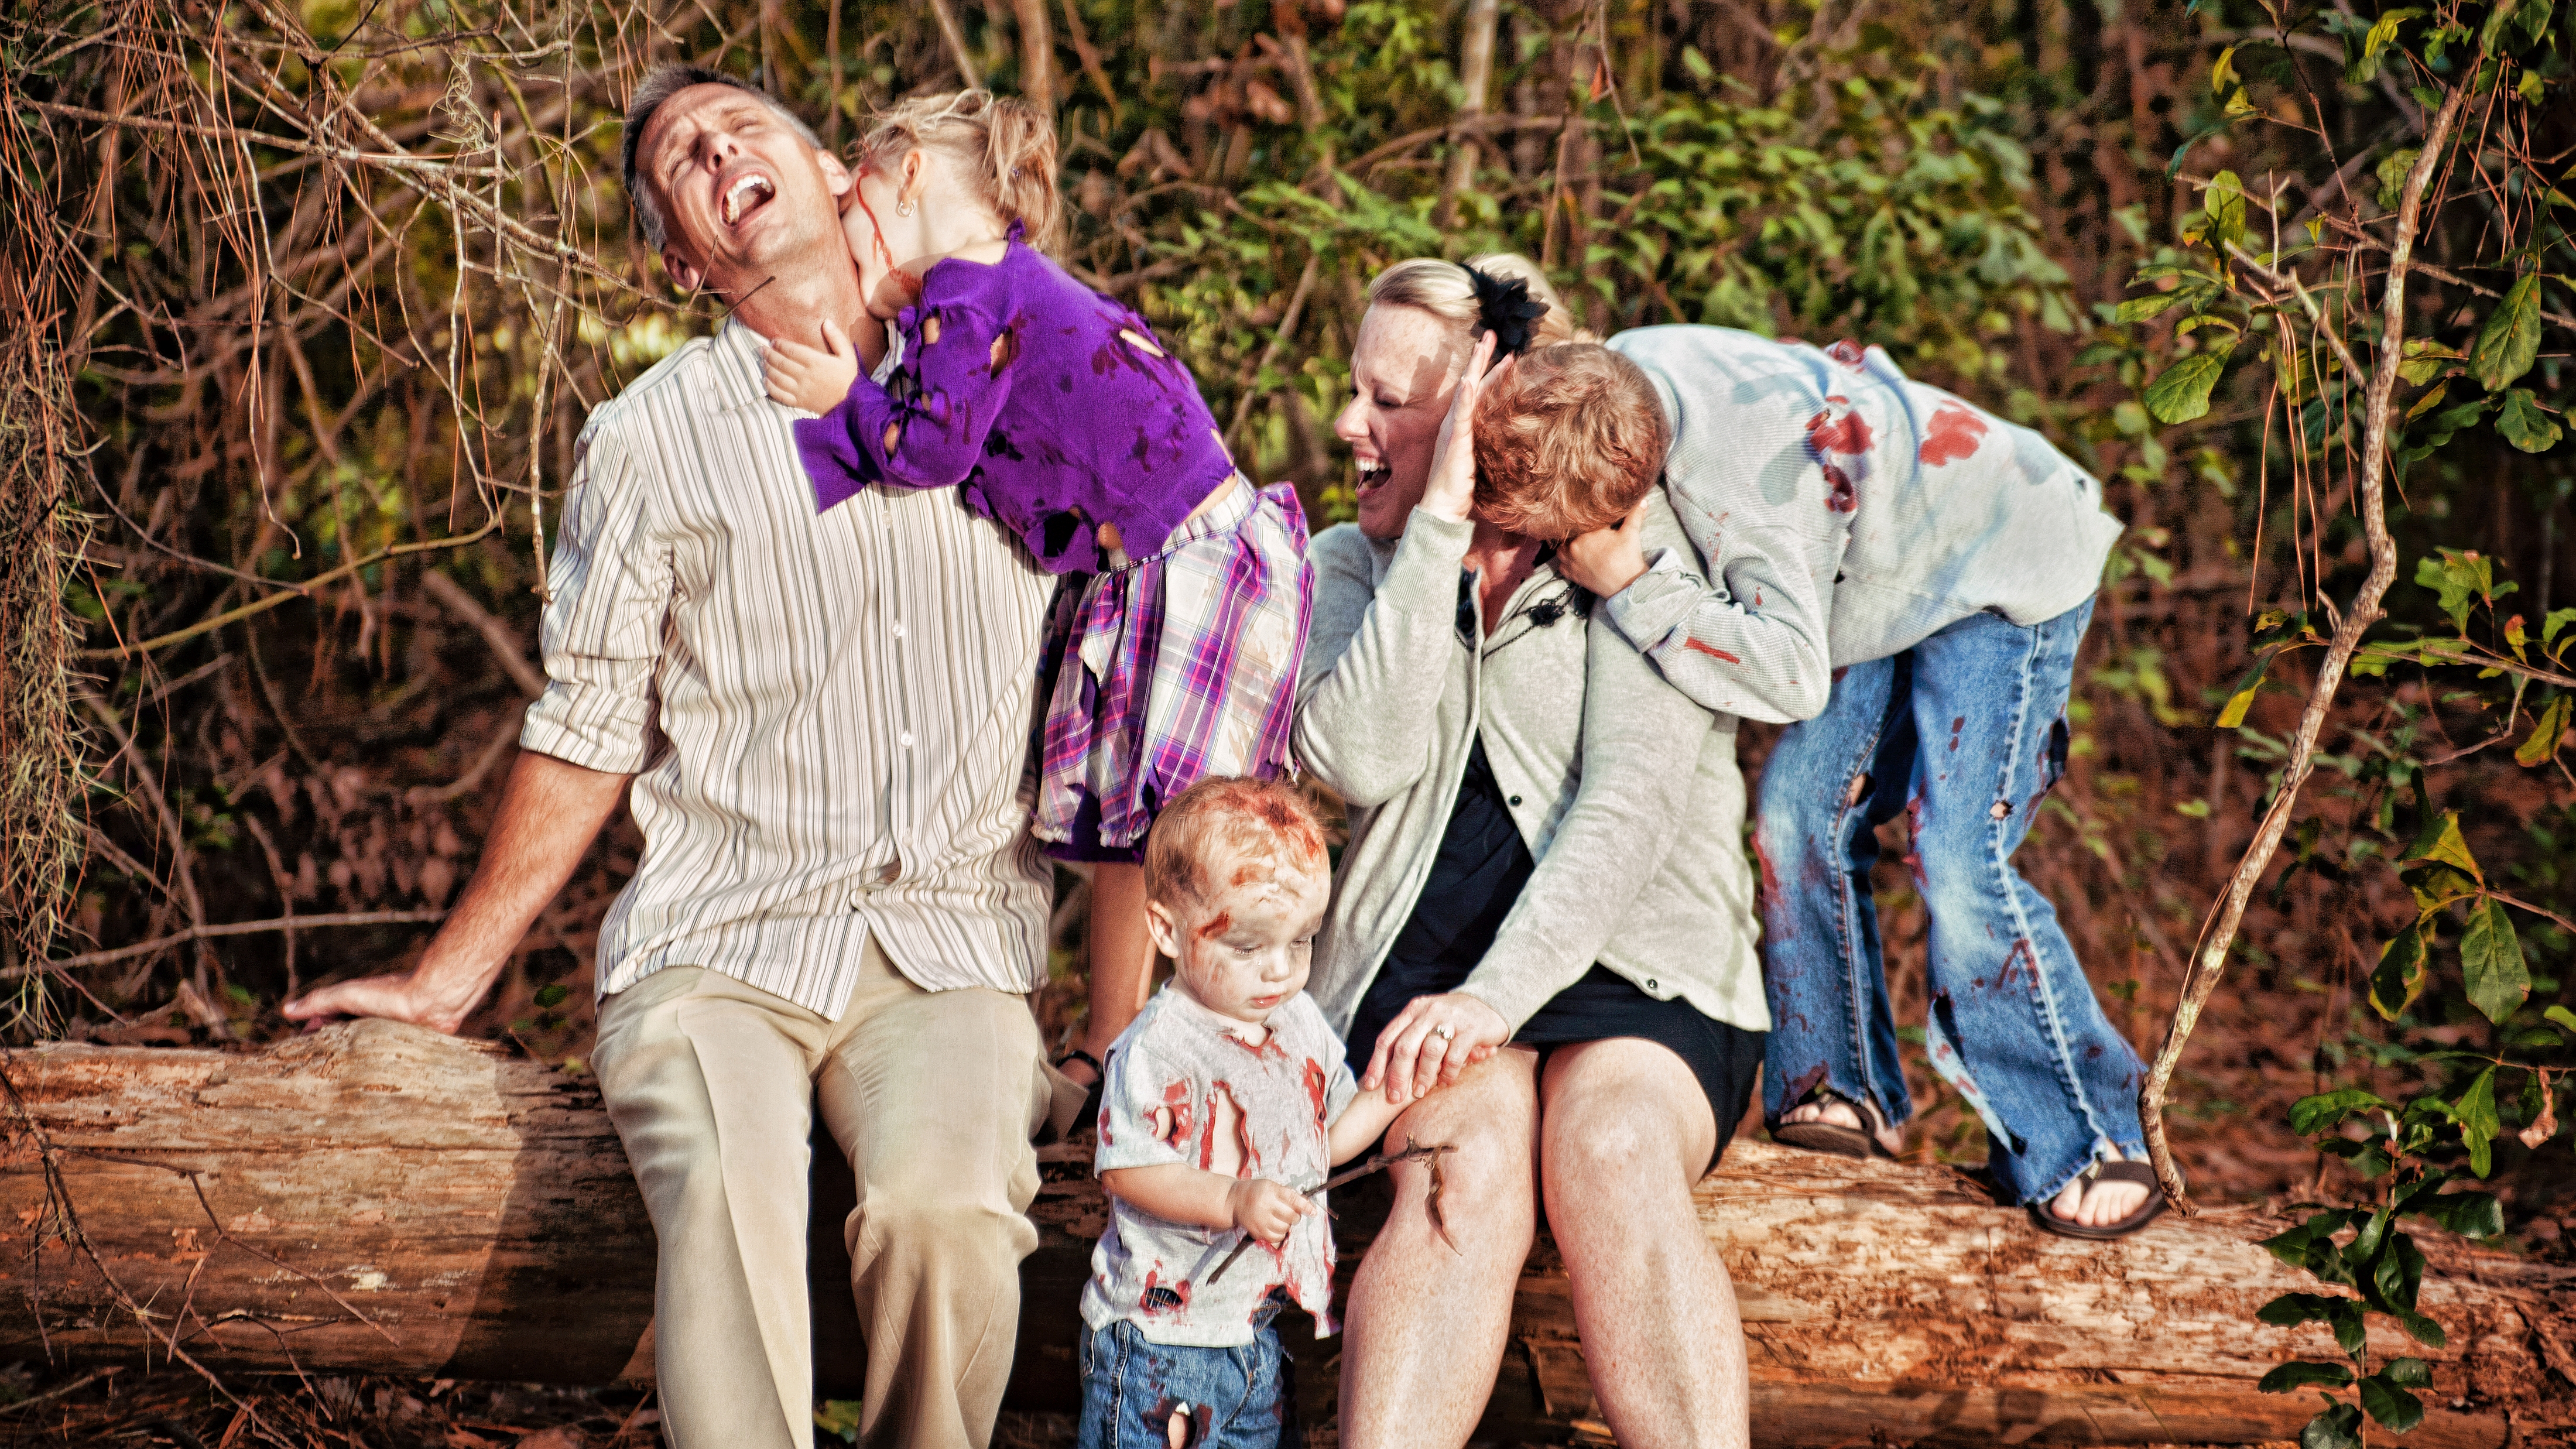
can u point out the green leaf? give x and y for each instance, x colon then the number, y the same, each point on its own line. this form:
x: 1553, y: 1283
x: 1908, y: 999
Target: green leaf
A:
x: 2491, y: 960
x: 2182, y: 393
x: 550, y: 997
x: 2424, y: 362
x: 2292, y: 1309
x: 2526, y: 424
x: 2562, y: 1016
x: 2392, y: 176
x: 2339, y: 1427
x: 2139, y: 309
x: 2223, y: 74
x: 2312, y: 1115
x: 2365, y: 67
x: 2346, y: 1321
x: 2400, y: 975
x: 2298, y: 1374
x: 2396, y: 1410
x: 2543, y: 742
x: 2420, y: 1328
x: 2398, y: 1275
x: 2510, y: 340
x: 2436, y: 886
x: 2558, y: 619
x: 2440, y: 842
x: 2469, y: 1214
x: 2479, y: 1124
x: 2412, y: 1373
x: 2224, y: 204
x: 2233, y: 715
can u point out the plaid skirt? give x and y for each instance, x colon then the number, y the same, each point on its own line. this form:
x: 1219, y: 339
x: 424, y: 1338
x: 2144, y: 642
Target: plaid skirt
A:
x: 1172, y: 669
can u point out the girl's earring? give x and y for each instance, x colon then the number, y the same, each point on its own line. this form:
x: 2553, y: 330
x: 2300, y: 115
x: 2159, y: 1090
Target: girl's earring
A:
x: 902, y: 207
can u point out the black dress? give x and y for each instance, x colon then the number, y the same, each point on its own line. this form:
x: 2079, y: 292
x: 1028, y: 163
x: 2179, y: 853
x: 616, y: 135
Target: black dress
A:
x: 1474, y: 880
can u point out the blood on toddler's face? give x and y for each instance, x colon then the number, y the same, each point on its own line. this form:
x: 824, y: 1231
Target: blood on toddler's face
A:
x: 1245, y: 950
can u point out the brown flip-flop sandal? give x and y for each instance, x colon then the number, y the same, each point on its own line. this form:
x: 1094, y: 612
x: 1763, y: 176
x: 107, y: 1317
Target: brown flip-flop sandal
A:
x: 2138, y: 1172
x: 1833, y: 1137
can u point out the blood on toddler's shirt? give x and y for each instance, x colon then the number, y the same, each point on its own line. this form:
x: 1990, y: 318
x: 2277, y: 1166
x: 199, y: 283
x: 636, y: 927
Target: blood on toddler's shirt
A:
x: 1184, y: 1088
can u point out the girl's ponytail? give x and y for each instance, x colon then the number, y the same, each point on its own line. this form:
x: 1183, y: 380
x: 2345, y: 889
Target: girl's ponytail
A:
x: 1003, y: 146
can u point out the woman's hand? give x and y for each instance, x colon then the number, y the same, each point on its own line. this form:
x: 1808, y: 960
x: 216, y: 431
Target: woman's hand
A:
x: 1451, y: 491
x: 1607, y: 560
x: 1430, y: 1042
x: 815, y: 379
x: 1266, y: 1210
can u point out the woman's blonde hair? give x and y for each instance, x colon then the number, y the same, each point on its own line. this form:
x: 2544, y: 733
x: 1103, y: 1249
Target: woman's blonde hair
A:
x: 1444, y: 290
x: 1005, y: 147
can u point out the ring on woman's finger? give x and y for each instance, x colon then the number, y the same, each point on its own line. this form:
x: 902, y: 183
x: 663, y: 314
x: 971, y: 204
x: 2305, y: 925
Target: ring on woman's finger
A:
x: 1444, y: 1032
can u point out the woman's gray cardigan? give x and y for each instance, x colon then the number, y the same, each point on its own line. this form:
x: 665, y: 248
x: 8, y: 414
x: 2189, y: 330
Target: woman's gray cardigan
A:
x: 1626, y: 792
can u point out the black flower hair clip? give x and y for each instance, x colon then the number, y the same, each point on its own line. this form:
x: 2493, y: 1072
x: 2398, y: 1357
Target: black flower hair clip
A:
x: 1504, y: 308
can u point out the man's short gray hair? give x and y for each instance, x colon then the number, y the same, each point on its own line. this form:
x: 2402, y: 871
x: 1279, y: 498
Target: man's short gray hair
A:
x: 665, y: 82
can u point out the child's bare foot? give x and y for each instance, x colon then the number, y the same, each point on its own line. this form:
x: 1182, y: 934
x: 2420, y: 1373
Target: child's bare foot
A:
x: 2098, y: 1203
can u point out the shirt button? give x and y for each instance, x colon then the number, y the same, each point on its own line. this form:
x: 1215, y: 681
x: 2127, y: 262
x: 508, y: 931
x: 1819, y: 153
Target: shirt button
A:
x: 904, y: 739
x: 1653, y: 985
x: 898, y: 631
x: 1516, y: 799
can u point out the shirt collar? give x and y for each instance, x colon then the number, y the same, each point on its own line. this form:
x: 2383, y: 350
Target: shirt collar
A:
x: 737, y: 352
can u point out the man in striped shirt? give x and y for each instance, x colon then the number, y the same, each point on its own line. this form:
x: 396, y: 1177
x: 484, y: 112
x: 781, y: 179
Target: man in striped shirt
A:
x: 823, y: 717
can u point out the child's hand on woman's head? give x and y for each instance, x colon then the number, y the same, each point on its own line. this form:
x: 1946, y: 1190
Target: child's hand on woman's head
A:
x: 815, y: 379
x: 1606, y: 560
x: 1265, y: 1209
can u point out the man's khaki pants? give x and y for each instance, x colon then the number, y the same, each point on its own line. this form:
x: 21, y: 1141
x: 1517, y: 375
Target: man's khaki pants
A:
x: 934, y: 1097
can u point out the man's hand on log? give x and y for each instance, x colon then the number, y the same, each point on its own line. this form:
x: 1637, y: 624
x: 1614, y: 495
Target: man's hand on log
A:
x: 439, y: 1000
x: 549, y: 813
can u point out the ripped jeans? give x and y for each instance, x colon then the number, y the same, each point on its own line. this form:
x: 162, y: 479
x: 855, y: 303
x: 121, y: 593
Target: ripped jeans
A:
x: 1963, y: 734
x: 1225, y: 1398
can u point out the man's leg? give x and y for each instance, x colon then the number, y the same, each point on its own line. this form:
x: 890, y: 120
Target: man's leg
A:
x: 1824, y: 790
x: 1429, y: 1314
x: 934, y: 1096
x: 708, y: 1081
x: 2058, y: 1083
x: 1624, y: 1130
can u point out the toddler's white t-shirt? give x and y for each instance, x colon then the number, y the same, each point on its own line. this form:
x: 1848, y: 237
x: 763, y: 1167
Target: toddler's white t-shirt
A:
x: 1184, y: 1088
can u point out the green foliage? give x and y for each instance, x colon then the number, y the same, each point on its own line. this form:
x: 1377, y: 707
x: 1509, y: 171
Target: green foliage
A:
x: 2510, y: 341
x: 2471, y: 384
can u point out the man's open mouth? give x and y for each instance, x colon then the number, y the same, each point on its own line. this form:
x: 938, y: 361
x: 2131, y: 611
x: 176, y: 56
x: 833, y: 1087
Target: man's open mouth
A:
x: 749, y: 193
x: 1372, y: 472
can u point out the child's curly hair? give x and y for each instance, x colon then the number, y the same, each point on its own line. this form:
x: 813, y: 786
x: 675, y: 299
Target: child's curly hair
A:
x: 1227, y: 817
x: 1005, y: 144
x: 1568, y: 440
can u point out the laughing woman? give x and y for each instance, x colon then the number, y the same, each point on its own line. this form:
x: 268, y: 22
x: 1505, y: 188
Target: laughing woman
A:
x: 1541, y: 902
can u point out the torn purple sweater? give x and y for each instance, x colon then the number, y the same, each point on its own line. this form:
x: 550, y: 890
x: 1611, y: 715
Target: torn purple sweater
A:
x: 1051, y: 407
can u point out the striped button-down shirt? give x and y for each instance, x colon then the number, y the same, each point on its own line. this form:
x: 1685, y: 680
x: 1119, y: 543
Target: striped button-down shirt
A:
x: 827, y: 714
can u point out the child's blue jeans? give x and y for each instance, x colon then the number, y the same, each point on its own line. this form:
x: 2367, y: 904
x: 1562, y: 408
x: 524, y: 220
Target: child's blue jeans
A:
x: 1964, y: 734
x: 1231, y: 1398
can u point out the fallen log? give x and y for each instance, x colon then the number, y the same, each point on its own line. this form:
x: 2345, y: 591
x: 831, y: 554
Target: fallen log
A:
x: 382, y: 1199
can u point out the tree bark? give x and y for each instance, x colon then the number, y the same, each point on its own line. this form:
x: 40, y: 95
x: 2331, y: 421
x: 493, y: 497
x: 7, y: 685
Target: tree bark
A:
x: 382, y: 1199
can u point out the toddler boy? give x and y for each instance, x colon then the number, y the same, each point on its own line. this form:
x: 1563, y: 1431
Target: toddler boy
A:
x: 1227, y: 1100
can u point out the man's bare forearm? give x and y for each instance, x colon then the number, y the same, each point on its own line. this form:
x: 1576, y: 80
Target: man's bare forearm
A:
x: 550, y: 812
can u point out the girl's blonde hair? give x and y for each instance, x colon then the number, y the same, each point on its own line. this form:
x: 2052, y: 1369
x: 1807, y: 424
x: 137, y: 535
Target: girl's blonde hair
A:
x: 1005, y: 147
x: 1444, y: 290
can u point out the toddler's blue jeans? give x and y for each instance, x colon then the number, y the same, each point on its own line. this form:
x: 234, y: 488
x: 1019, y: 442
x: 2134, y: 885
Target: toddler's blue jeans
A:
x: 1231, y: 1398
x: 1964, y: 734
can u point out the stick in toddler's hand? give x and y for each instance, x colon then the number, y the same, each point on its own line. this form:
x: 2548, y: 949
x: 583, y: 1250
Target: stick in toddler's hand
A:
x: 1378, y: 1163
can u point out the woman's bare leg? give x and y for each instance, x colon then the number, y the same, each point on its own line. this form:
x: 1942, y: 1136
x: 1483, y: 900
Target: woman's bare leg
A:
x: 1428, y: 1320
x: 1624, y: 1131
x: 1121, y: 957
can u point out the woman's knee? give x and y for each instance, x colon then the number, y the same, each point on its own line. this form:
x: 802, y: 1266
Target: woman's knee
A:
x: 1487, y: 1179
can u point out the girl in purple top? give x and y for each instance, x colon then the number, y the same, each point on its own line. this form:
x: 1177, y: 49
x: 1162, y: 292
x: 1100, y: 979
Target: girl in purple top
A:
x: 1172, y: 650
